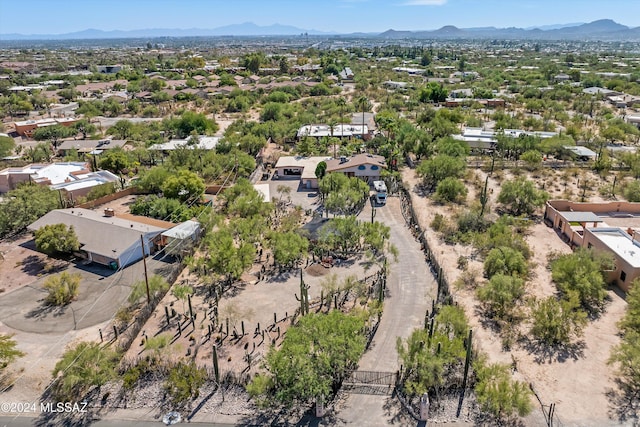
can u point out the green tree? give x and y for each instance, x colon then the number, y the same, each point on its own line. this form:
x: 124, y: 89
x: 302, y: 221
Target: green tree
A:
x: 532, y: 159
x: 424, y: 367
x: 287, y: 247
x: 581, y: 272
x: 54, y: 134
x: 321, y: 170
x: 56, y: 239
x: 521, y: 197
x: 499, y: 395
x: 7, y: 146
x: 122, y: 129
x: 450, y: 189
x: 437, y: 168
x: 501, y: 295
x: 190, y: 122
x: 82, y: 367
x: 85, y: 127
x: 116, y: 160
x: 151, y: 180
x: 157, y: 285
x: 433, y: 92
x: 63, y: 288
x: 630, y: 322
x: 226, y: 257
x: 315, y: 356
x: 8, y: 350
x: 631, y: 191
x: 505, y: 260
x: 185, y: 185
x: 184, y: 382
x: 24, y: 205
x: 556, y: 322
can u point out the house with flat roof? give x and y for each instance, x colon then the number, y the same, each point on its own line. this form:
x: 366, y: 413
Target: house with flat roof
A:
x: 302, y: 167
x: 204, y: 143
x: 607, y: 226
x: 26, y: 127
x: 625, y: 249
x: 581, y: 152
x: 75, y: 179
x: 104, y: 239
x: 337, y: 131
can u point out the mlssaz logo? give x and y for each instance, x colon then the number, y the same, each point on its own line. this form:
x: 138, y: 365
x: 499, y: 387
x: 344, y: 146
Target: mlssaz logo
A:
x: 65, y: 407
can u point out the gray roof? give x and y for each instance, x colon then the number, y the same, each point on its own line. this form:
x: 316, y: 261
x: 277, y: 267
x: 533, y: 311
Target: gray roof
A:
x: 98, y: 234
x: 581, y: 151
x: 573, y: 216
x: 86, y: 145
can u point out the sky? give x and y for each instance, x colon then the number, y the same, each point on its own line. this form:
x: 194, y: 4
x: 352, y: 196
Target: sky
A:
x: 342, y: 16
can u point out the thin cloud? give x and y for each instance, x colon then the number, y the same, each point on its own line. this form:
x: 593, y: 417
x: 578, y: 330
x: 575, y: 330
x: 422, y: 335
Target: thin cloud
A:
x: 425, y: 2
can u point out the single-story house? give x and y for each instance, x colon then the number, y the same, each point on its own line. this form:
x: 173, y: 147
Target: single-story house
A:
x: 204, y: 143
x: 83, y: 184
x: 390, y: 84
x: 104, y: 239
x: 303, y: 167
x: 26, y: 127
x: 581, y: 152
x: 365, y: 166
x: 625, y: 249
x: 594, y: 225
x: 73, y: 177
x: 338, y: 131
x: 89, y: 145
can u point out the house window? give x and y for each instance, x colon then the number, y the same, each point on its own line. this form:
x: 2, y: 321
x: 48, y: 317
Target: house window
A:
x: 374, y: 167
x: 623, y: 276
x: 589, y: 246
x: 362, y: 167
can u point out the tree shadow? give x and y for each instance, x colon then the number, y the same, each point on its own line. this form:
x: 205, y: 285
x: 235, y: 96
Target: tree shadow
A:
x: 33, y: 265
x: 624, y: 402
x: 545, y: 353
x: 45, y: 309
x: 397, y: 414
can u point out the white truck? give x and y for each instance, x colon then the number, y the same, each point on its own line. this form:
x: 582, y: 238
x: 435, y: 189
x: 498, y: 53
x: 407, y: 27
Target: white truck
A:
x: 381, y: 192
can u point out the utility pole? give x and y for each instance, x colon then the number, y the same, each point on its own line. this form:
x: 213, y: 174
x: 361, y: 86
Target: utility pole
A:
x: 146, y: 275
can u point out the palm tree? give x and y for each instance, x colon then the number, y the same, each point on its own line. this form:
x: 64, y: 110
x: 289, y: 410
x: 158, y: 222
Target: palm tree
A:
x: 363, y: 101
x: 341, y: 103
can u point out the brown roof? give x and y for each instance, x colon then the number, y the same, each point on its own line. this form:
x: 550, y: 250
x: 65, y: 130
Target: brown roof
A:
x: 357, y: 160
x: 146, y: 220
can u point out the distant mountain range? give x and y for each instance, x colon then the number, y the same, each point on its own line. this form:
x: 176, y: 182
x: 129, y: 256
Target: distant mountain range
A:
x: 244, y: 29
x: 604, y: 29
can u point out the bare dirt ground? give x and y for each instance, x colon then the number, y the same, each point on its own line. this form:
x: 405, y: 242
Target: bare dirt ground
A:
x: 21, y: 264
x: 578, y: 379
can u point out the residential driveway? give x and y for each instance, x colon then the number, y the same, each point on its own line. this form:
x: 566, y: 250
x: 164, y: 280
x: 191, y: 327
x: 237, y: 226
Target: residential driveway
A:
x: 411, y: 287
x: 101, y: 293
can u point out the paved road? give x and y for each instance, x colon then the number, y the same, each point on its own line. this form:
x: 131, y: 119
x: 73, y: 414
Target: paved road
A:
x: 410, y: 290
x: 101, y: 293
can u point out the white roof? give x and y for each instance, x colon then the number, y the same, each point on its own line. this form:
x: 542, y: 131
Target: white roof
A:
x: 183, y: 230
x: 205, y: 143
x: 338, y: 130
x: 618, y: 241
x: 300, y: 162
x: 56, y: 172
x: 581, y: 151
x: 264, y: 190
